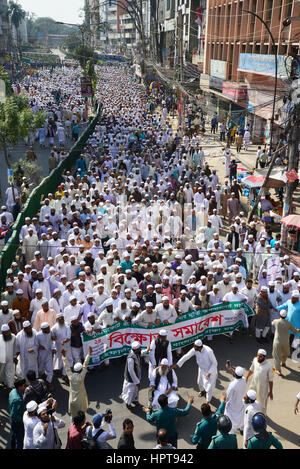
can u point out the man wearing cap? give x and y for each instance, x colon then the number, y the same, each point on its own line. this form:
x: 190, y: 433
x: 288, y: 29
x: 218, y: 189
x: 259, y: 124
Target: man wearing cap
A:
x: 159, y: 348
x: 6, y: 314
x: 132, y: 375
x: 26, y: 350
x: 262, y: 318
x: 163, y: 380
x: 46, y: 351
x: 44, y: 433
x: 234, y: 407
x: 207, y: 367
x: 29, y: 245
x: 10, y: 294
x: 73, y: 309
x: 21, y: 284
x: 46, y: 314
x: 147, y: 317
x: 61, y: 335
x: 7, y: 354
x: 78, y: 399
x: 30, y: 420
x: 36, y: 304
x: 252, y: 408
x: 22, y: 304
x: 293, y: 314
x: 165, y: 312
x: 281, y: 343
x: 261, y: 371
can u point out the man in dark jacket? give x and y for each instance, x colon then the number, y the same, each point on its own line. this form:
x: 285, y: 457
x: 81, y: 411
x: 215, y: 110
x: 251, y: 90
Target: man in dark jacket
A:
x: 126, y: 440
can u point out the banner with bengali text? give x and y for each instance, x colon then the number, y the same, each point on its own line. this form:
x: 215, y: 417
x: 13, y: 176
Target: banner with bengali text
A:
x: 115, y: 341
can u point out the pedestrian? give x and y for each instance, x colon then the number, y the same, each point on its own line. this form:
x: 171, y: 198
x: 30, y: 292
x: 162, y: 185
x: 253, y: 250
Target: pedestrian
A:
x: 78, y: 399
x: 224, y: 440
x: 251, y: 408
x: 16, y: 412
x: 7, y: 357
x: 262, y: 378
x: 30, y: 419
x: 126, y: 440
x: 132, y: 375
x: 234, y: 408
x: 166, y: 416
x: 76, y: 431
x: 163, y: 440
x: 281, y: 342
x: 45, y: 434
x: 97, y: 433
x: 208, y: 426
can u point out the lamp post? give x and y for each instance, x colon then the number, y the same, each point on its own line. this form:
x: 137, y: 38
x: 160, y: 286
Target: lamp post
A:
x: 273, y: 112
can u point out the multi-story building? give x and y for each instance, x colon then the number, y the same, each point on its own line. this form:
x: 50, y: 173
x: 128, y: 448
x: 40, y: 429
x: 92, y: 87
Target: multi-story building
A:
x: 128, y: 31
x: 4, y: 31
x: 239, y: 63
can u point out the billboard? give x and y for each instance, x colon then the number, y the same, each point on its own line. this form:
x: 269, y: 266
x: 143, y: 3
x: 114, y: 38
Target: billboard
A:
x: 262, y: 64
x: 86, y: 87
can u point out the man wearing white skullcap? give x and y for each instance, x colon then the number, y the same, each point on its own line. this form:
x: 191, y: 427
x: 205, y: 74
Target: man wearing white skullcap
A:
x: 6, y: 314
x: 78, y: 399
x: 293, y: 314
x: 207, y: 367
x: 7, y: 364
x: 159, y: 348
x: 234, y: 407
x: 132, y: 375
x: 261, y: 371
x: 46, y: 351
x: 30, y: 420
x: 281, y: 342
x: 26, y: 350
x: 164, y: 381
x: 262, y: 318
x: 252, y: 408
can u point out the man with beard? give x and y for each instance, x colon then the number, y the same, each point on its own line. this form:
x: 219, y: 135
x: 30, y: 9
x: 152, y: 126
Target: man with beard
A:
x: 46, y: 351
x: 7, y: 360
x: 159, y: 348
x: 76, y: 342
x: 44, y: 434
x: 16, y: 323
x: 46, y: 314
x: 10, y: 294
x: 163, y: 381
x: 132, y: 375
x: 262, y: 378
x: 22, y: 304
x: 61, y: 334
x: 166, y: 312
x: 26, y: 350
x: 6, y: 314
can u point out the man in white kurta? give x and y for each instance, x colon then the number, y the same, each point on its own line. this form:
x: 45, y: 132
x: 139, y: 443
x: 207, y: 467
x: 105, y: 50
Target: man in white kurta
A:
x: 7, y: 348
x: 164, y: 386
x: 26, y: 348
x: 46, y: 350
x: 234, y: 407
x: 61, y: 334
x: 29, y: 245
x: 262, y: 379
x: 251, y: 408
x: 207, y: 367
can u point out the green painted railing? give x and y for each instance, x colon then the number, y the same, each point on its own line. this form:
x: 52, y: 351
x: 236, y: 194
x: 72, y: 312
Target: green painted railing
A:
x: 33, y: 204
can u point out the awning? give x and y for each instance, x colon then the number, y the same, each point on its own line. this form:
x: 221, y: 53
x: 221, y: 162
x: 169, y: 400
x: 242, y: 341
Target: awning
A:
x: 253, y: 182
x: 291, y: 221
x: 277, y: 178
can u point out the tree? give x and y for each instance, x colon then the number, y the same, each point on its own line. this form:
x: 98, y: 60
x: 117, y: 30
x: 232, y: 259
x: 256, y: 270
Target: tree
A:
x: 83, y: 53
x: 17, y: 120
x: 5, y: 77
x: 17, y: 15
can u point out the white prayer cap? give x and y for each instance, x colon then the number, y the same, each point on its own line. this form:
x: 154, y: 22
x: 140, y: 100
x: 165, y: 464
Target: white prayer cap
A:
x: 135, y: 345
x: 238, y: 259
x: 286, y: 258
x: 74, y: 318
x: 226, y: 276
x: 41, y: 407
x: 16, y: 311
x: 26, y: 324
x: 295, y: 294
x: 165, y: 298
x: 90, y: 314
x: 9, y: 284
x: 78, y: 367
x: 239, y: 274
x: 149, y: 304
x: 183, y: 291
x: 164, y: 362
x: 44, y: 325
x: 31, y: 406
x: 109, y: 302
x: 251, y: 394
x: 37, y: 253
x: 72, y: 298
x: 135, y: 303
x: 59, y: 315
x: 163, y: 333
x: 127, y: 271
x: 38, y: 290
x: 44, y: 302
x: 262, y: 351
x: 239, y: 371
x: 234, y: 285
x: 158, y: 285
x: 5, y: 328
x: 296, y: 273
x: 19, y: 292
x: 264, y: 288
x: 4, y: 303
x: 283, y: 313
x: 216, y: 286
x: 198, y: 343
x: 188, y: 257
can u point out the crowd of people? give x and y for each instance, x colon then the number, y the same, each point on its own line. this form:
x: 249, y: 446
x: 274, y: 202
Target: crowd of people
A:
x: 134, y: 235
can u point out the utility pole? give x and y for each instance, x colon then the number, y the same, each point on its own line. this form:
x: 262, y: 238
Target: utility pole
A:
x: 180, y: 69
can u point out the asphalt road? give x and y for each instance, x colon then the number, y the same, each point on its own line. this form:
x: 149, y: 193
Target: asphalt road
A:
x: 104, y: 387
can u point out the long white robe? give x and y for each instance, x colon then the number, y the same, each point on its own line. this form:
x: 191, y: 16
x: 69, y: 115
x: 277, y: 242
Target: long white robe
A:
x: 7, y: 366
x: 29, y: 425
x: 27, y: 360
x: 162, y: 387
x: 250, y: 410
x: 45, y: 358
x: 235, y: 406
x: 207, y: 363
x: 262, y: 375
x: 61, y: 333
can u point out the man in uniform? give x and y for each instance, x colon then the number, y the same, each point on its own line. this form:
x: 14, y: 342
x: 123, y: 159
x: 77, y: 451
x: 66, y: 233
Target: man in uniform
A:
x: 223, y: 440
x: 262, y: 439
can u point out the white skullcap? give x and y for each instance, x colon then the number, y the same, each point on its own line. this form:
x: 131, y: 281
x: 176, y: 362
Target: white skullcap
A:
x: 135, y: 303
x: 149, y: 304
x: 164, y: 361
x: 295, y: 294
x: 60, y: 315
x: 31, y: 406
x: 163, y: 333
x: 78, y: 367
x: 90, y: 314
x: 251, y: 394
x: 44, y: 302
x: 109, y: 302
x: 272, y: 284
x: 264, y: 288
x: 5, y: 328
x: 4, y: 303
x: 164, y: 298
x: 19, y: 292
x: 26, y: 324
x: 135, y: 345
x: 262, y: 351
x: 44, y: 325
x: 239, y: 371
x: 283, y: 313
x: 41, y: 407
x: 73, y: 318
x: 198, y: 343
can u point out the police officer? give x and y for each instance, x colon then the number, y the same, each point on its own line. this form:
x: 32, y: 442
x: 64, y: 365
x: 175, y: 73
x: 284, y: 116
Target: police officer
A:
x: 223, y: 440
x: 262, y: 439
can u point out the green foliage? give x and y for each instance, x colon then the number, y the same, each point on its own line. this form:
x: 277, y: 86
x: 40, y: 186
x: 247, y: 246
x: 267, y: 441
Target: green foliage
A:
x: 70, y: 43
x: 84, y: 53
x: 17, y: 120
x: 5, y: 77
x: 32, y: 171
x: 16, y: 12
x: 40, y: 27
